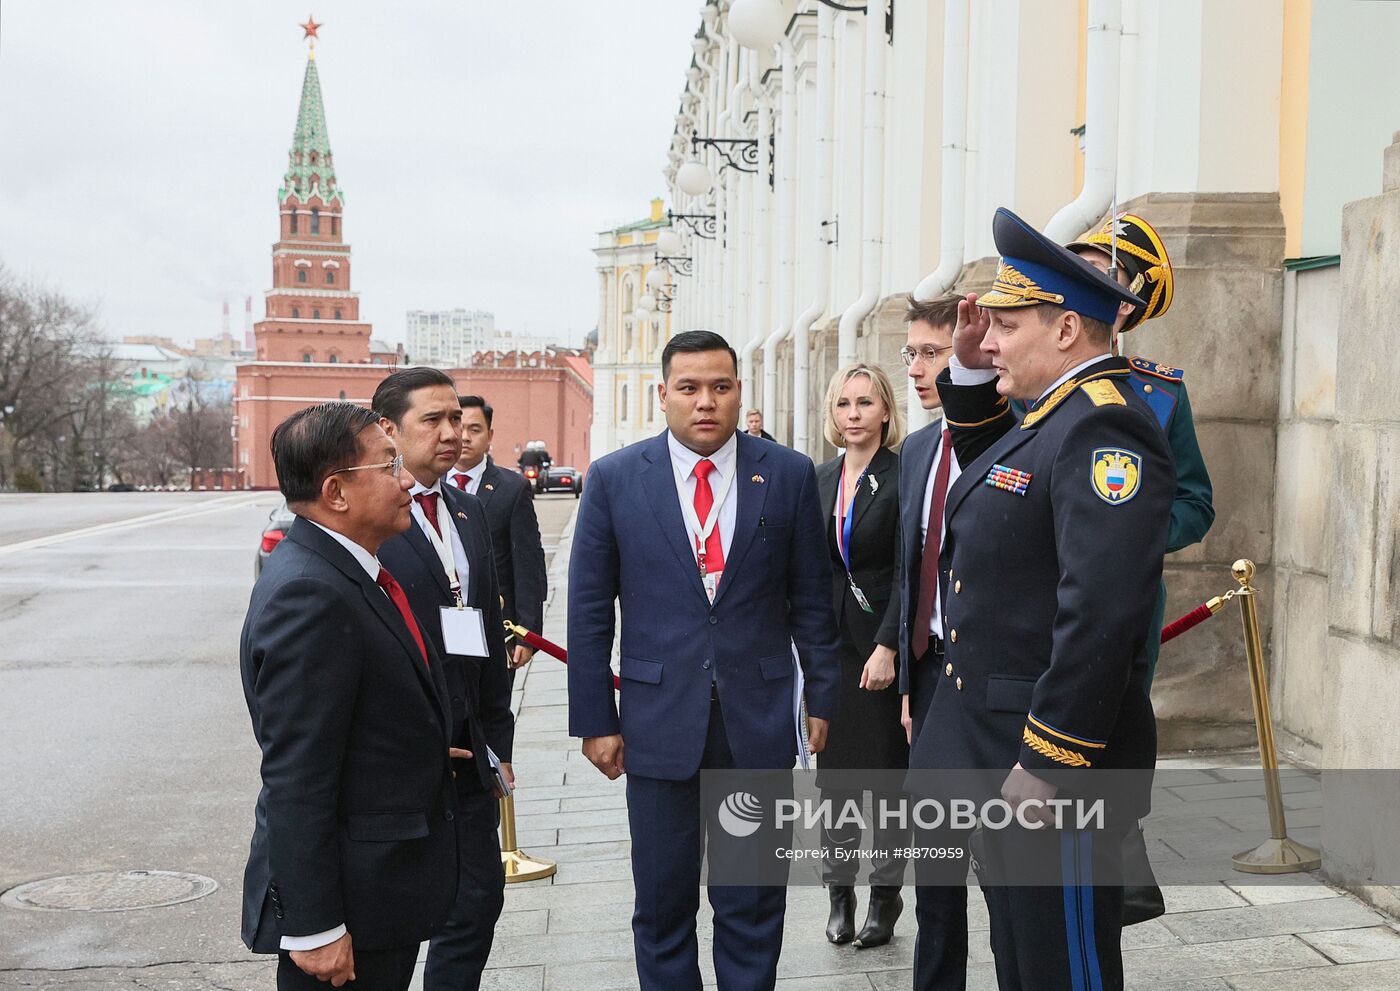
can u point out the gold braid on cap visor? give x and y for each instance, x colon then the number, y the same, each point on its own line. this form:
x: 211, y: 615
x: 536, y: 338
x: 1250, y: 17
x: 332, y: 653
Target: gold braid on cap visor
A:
x: 1012, y: 288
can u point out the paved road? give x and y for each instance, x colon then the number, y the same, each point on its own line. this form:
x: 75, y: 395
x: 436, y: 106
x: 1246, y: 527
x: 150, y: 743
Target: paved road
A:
x: 124, y: 740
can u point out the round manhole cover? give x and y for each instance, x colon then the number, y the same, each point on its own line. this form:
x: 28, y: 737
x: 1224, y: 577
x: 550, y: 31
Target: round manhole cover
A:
x: 109, y: 891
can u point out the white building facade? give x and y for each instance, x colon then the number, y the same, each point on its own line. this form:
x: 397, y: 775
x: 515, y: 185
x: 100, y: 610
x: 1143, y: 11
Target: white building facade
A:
x: 1255, y: 135
x: 448, y: 338
x: 627, y: 360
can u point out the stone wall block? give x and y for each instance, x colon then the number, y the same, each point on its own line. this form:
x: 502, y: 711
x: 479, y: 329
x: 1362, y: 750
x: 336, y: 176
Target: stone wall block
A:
x: 1317, y: 316
x: 1385, y: 602
x: 1240, y: 458
x: 1303, y: 474
x: 1371, y: 321
x: 1352, y: 562
x: 1297, y: 654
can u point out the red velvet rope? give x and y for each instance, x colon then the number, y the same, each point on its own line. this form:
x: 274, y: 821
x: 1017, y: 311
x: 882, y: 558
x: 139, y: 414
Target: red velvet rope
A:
x: 554, y: 650
x: 1194, y: 618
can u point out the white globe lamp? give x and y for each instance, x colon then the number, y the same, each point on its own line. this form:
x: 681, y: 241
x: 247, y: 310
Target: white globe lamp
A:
x: 694, y: 179
x: 669, y: 244
x: 757, y: 24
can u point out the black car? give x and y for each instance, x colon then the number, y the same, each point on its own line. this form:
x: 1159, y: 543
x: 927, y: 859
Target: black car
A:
x: 562, y: 478
x: 279, y: 521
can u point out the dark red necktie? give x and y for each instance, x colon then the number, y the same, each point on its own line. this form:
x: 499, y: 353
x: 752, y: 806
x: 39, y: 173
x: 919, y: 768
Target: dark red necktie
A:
x: 933, y: 546
x: 704, y: 502
x: 461, y: 481
x: 427, y: 501
x: 395, y: 592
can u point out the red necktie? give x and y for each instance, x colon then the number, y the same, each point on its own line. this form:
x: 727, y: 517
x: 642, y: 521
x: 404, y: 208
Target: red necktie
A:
x: 395, y: 591
x: 427, y: 501
x: 461, y: 480
x: 704, y: 502
x: 928, y: 569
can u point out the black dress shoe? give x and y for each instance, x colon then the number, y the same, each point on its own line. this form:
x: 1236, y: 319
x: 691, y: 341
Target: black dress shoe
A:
x: 880, y: 917
x: 841, y: 927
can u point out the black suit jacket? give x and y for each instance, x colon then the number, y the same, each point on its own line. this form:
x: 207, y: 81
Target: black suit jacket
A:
x: 915, y: 462
x: 874, y: 537
x: 515, y: 539
x: 1049, y: 592
x: 479, y: 688
x: 354, y: 821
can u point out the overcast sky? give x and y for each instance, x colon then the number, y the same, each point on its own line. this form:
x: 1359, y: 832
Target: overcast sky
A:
x: 481, y: 146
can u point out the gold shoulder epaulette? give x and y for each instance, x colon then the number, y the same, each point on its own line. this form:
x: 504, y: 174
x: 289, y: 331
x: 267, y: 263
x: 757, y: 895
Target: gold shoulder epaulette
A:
x: 1103, y: 393
x: 1149, y: 367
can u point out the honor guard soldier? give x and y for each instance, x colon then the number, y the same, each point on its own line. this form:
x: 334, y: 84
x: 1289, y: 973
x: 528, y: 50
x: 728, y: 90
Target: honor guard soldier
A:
x: 1130, y: 244
x: 1049, y: 570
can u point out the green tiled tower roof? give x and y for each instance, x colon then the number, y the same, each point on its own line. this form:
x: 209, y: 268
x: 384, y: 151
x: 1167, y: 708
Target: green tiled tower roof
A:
x: 310, y: 167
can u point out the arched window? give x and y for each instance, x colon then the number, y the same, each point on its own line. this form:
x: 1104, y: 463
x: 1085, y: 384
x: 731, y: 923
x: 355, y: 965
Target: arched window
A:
x: 296, y: 312
x: 301, y: 275
x: 628, y: 302
x: 334, y: 359
x: 330, y: 277
x: 335, y: 224
x: 306, y: 358
x: 337, y: 315
x: 622, y: 405
x: 315, y: 219
x: 342, y: 391
x: 292, y: 222
x: 315, y: 314
x: 626, y: 335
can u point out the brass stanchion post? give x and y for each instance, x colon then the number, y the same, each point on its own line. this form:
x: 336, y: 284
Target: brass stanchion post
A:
x: 1278, y: 854
x: 519, y: 866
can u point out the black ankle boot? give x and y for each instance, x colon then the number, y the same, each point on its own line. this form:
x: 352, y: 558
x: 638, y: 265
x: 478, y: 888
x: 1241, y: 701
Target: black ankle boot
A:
x: 841, y: 927
x: 880, y: 917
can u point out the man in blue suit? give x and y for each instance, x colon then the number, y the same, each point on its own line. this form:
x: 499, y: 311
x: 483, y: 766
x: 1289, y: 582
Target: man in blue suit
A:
x: 714, y: 545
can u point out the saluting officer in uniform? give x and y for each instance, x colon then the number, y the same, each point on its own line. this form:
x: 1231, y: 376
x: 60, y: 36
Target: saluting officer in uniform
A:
x: 1056, y: 530
x: 1143, y: 266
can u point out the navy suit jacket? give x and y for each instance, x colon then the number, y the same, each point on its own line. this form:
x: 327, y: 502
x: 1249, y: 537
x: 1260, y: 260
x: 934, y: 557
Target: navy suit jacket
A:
x: 915, y: 462
x: 631, y: 546
x: 479, y: 689
x: 354, y: 821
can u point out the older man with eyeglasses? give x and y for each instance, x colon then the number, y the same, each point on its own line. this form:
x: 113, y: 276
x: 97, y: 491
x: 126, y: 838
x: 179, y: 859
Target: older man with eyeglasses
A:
x: 353, y: 861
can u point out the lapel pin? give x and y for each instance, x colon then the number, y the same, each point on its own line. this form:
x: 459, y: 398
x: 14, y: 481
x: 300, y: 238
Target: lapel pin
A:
x: 461, y: 515
x: 758, y: 479
x: 490, y: 487
x: 874, y: 484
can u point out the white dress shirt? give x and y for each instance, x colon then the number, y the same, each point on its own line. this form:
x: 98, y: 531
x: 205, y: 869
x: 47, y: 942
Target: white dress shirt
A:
x: 473, y: 476
x: 449, y: 529
x: 683, y: 462
x: 371, y: 565
x: 935, y: 623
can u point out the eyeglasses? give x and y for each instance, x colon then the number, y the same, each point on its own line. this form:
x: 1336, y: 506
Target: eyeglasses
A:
x: 928, y: 352
x: 395, y: 467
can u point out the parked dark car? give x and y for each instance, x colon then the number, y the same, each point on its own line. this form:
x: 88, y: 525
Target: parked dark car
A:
x: 121, y: 487
x: 279, y: 521
x: 562, y: 479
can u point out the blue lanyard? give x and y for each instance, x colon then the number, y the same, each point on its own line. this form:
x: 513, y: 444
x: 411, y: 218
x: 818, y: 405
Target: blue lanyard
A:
x: 849, y: 517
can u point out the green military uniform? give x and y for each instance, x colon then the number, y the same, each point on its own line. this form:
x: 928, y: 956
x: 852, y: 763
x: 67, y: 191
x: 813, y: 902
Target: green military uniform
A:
x: 1139, y: 252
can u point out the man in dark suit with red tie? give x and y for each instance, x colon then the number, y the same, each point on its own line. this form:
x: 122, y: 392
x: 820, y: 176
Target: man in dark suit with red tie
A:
x: 510, y: 512
x: 353, y: 860
x: 445, y: 563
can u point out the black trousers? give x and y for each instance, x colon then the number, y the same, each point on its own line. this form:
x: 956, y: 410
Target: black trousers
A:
x: 940, y: 908
x: 886, y: 870
x: 1065, y: 937
x: 375, y: 970
x: 457, y: 955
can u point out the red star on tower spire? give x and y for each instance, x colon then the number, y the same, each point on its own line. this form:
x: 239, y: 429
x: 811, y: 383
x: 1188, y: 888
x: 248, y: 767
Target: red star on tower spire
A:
x: 310, y: 28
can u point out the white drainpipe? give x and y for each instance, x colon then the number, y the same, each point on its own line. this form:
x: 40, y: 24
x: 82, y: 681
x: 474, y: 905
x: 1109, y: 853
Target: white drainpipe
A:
x: 758, y: 308
x: 1100, y: 124
x: 873, y: 180
x: 953, y: 201
x: 784, y: 305
x: 821, y: 208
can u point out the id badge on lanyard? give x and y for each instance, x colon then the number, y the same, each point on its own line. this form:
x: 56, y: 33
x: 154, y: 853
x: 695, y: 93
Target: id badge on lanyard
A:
x: 701, y: 533
x: 844, y: 533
